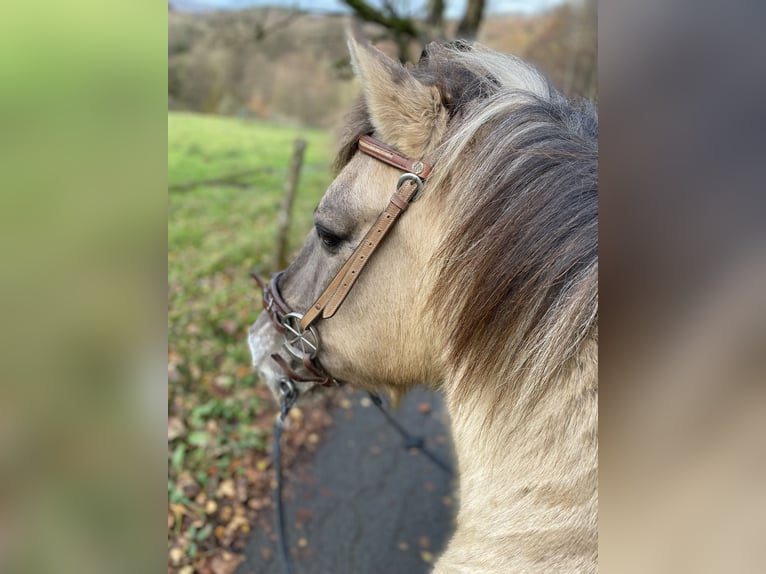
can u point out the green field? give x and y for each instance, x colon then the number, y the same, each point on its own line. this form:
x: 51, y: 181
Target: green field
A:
x: 216, y: 234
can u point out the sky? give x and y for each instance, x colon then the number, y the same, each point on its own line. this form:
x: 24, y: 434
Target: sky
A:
x: 454, y: 7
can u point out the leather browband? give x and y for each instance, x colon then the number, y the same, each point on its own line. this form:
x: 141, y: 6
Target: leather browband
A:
x: 389, y: 155
x: 335, y: 293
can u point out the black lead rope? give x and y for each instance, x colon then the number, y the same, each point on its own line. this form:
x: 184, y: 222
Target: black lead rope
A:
x: 410, y: 441
x: 289, y: 394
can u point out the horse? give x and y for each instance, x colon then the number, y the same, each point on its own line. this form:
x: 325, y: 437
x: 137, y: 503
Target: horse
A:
x: 484, y: 287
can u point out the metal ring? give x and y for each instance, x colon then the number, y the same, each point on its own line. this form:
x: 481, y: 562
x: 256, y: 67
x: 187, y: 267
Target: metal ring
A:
x: 299, y: 341
x: 411, y: 177
x: 288, y: 397
x: 287, y: 388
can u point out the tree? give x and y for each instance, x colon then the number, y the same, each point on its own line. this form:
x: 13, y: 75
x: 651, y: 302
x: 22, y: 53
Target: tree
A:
x: 472, y: 17
x: 566, y: 48
x: 403, y: 30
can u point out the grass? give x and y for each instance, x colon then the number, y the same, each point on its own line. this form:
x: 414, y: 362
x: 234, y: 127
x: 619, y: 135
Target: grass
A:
x: 216, y: 235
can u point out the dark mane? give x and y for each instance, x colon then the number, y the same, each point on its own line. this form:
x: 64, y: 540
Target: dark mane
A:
x: 518, y: 172
x: 519, y: 264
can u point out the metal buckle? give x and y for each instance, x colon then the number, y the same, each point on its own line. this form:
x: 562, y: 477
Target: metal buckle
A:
x: 288, y: 394
x: 411, y: 177
x: 299, y: 342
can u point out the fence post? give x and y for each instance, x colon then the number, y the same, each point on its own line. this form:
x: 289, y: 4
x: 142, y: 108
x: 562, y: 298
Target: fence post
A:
x: 279, y: 260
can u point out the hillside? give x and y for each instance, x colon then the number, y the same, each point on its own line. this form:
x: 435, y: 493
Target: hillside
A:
x: 293, y: 66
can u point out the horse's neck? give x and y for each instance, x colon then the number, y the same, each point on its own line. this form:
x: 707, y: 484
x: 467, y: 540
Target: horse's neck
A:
x: 528, y: 485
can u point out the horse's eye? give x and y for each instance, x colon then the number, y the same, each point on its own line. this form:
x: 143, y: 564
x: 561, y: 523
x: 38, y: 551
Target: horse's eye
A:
x: 329, y: 239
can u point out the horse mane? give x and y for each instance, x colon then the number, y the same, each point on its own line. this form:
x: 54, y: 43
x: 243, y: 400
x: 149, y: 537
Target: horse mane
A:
x: 517, y: 172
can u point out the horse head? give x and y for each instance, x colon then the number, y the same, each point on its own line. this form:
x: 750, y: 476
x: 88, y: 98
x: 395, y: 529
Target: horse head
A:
x: 492, y: 267
x: 482, y: 181
x: 382, y: 335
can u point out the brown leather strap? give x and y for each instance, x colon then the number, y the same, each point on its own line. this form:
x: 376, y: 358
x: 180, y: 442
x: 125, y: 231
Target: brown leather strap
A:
x: 276, y: 296
x: 335, y: 293
x: 320, y: 377
x: 272, y: 300
x: 389, y: 155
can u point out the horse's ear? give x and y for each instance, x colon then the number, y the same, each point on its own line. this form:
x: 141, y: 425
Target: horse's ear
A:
x: 403, y: 111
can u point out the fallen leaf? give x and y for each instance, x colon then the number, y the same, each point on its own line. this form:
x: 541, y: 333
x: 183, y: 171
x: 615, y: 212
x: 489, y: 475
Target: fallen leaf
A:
x: 427, y: 556
x: 176, y: 428
x: 303, y: 514
x: 424, y: 542
x: 235, y: 524
x: 225, y: 514
x: 226, y: 489
x: 223, y: 381
x: 198, y: 438
x: 229, y: 327
x: 204, y: 532
x: 178, y: 510
x: 242, y: 486
x: 226, y: 563
x: 253, y: 475
x: 404, y: 546
x: 176, y: 555
x: 193, y: 329
x: 302, y: 542
x: 424, y: 408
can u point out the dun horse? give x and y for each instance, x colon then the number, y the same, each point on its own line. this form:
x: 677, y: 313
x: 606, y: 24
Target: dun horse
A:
x: 485, y: 289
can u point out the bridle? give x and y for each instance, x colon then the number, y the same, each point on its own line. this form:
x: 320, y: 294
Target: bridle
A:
x: 301, y: 339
